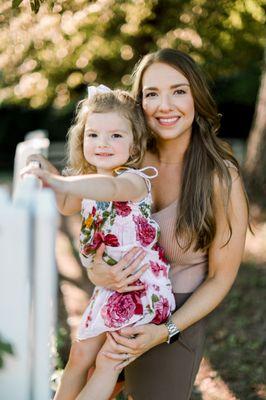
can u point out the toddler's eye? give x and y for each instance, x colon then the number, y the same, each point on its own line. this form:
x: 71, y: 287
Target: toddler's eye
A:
x: 116, y: 135
x: 92, y: 135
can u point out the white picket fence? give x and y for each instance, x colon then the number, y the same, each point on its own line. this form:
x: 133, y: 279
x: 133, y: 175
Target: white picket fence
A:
x: 28, y: 283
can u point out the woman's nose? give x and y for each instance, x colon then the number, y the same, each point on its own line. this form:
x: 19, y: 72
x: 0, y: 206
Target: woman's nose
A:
x: 166, y: 103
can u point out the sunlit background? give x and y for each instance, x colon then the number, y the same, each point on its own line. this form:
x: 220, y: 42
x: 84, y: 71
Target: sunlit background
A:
x: 48, y: 58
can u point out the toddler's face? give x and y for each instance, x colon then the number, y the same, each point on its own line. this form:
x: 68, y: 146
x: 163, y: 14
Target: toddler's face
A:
x: 108, y: 140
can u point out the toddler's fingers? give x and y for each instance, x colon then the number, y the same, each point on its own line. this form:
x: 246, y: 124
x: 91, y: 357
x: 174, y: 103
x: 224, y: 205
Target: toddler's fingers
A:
x: 99, y: 253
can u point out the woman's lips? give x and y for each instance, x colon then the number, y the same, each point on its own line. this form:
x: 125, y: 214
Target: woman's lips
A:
x: 170, y: 121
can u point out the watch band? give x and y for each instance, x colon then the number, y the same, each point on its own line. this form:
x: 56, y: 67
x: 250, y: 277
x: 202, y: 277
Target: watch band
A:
x: 173, y: 331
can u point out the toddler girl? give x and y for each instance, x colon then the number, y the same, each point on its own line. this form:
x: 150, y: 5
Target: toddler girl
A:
x: 106, y: 145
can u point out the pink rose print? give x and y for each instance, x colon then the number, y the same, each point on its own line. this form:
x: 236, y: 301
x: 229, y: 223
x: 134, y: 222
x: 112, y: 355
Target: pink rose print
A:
x: 145, y: 232
x: 122, y: 208
x: 157, y: 268
x: 161, y: 252
x: 111, y: 240
x: 121, y: 307
x: 162, y: 310
x: 98, y: 239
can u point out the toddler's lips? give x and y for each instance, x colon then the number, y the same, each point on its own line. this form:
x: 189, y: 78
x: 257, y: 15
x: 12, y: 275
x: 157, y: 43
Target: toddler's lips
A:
x: 170, y: 121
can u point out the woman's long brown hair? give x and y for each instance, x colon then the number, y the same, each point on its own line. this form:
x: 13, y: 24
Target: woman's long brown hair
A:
x: 206, y: 156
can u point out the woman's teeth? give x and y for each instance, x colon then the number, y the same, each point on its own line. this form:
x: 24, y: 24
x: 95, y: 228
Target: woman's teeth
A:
x: 168, y: 121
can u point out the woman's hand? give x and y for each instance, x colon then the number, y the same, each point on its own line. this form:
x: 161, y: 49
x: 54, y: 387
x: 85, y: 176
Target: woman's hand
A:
x: 131, y: 342
x: 119, y: 277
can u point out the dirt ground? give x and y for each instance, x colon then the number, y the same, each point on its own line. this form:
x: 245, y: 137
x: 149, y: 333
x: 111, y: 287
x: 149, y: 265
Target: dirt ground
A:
x: 232, y: 368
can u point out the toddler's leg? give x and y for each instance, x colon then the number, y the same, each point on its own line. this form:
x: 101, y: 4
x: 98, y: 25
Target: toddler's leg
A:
x: 82, y: 356
x: 102, y: 382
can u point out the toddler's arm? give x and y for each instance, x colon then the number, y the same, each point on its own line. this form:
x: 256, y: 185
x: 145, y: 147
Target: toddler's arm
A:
x: 97, y: 187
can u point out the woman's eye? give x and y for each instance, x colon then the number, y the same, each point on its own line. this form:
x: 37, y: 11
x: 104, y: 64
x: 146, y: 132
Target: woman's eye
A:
x: 151, y: 94
x: 179, y: 91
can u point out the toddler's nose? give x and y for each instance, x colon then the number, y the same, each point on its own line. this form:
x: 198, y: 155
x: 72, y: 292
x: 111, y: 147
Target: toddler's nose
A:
x: 103, y: 142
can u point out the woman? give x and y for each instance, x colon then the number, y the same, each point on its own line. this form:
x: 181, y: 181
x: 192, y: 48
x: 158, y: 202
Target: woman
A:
x: 201, y: 207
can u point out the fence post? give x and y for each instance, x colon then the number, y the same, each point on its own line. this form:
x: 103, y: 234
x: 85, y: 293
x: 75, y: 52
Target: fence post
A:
x: 15, y: 298
x: 28, y: 285
x: 44, y: 293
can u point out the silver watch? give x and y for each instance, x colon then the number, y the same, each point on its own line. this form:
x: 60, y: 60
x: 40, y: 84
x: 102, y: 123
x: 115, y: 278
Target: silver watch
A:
x: 173, y: 331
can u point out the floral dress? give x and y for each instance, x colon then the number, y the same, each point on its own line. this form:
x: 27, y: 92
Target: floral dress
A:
x: 122, y: 226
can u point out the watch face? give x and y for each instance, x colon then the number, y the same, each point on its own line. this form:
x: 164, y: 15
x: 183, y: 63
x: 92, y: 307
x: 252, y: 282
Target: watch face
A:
x: 174, y: 338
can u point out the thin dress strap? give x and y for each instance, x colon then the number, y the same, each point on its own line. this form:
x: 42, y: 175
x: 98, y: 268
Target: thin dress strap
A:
x: 140, y: 172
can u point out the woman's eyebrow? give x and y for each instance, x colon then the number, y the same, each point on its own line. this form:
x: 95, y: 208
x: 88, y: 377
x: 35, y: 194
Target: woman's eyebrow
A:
x: 171, y: 87
x: 179, y: 84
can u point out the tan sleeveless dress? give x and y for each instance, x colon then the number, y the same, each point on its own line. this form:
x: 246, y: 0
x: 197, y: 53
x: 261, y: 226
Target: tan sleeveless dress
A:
x: 168, y: 371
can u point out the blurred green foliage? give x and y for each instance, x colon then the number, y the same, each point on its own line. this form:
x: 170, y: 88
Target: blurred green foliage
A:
x: 5, y: 348
x: 48, y: 58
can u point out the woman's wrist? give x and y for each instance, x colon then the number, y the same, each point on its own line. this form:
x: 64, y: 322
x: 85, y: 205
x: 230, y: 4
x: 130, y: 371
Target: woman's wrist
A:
x: 162, y: 333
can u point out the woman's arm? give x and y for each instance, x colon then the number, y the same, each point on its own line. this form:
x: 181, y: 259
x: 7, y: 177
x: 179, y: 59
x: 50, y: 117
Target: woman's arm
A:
x: 97, y: 187
x: 224, y: 261
x: 66, y: 204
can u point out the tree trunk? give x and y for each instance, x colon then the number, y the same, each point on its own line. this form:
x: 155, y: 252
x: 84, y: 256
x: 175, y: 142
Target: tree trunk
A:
x: 255, y: 165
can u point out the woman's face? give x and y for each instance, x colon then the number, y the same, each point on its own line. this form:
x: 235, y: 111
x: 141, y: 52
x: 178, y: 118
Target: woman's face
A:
x: 167, y: 101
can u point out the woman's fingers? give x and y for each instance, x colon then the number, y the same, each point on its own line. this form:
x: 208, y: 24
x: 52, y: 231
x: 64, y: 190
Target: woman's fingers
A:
x: 126, y: 285
x: 125, y: 344
x: 118, y: 348
x: 126, y: 289
x: 123, y: 364
x: 137, y: 275
x: 125, y: 359
x: 132, y: 263
x: 124, y: 263
x: 132, y: 330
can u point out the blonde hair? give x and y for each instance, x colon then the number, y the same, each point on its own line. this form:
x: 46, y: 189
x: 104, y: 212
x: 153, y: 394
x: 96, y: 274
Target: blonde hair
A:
x: 114, y: 101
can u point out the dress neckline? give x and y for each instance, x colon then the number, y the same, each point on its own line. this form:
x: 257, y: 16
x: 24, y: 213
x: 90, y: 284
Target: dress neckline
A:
x: 165, y: 208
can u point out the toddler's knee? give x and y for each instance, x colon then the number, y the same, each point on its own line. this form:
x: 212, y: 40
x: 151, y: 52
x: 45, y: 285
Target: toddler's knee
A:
x: 79, y: 356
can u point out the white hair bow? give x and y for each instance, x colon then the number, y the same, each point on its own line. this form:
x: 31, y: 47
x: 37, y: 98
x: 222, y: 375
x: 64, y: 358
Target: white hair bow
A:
x: 93, y: 90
